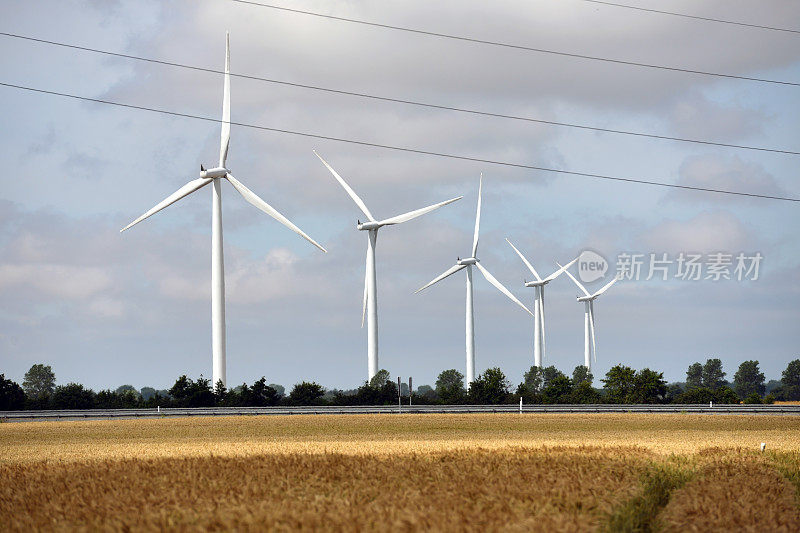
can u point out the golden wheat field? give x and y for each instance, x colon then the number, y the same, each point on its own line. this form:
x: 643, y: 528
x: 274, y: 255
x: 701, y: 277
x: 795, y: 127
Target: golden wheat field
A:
x: 482, y: 472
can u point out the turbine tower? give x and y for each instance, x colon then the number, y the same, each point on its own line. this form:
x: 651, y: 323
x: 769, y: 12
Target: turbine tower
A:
x: 588, y: 320
x: 538, y: 308
x: 215, y: 176
x: 468, y: 264
x: 370, y: 302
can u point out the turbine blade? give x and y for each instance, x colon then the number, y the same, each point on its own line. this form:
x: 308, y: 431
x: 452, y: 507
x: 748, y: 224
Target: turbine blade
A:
x: 359, y: 202
x: 578, y: 283
x: 527, y: 264
x: 591, y: 329
x: 437, y: 279
x: 366, y: 288
x: 186, y: 190
x: 561, y: 270
x: 499, y: 286
x: 225, y: 136
x: 251, y: 197
x: 605, y: 287
x: 405, y: 217
x: 477, y: 218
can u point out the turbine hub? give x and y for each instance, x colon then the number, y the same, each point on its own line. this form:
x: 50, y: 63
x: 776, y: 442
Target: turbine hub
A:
x: 468, y: 261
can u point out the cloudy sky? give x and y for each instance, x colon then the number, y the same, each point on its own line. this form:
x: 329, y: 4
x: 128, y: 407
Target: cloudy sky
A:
x: 105, y: 308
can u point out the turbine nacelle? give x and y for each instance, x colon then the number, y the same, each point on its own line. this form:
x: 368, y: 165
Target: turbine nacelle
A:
x: 468, y: 261
x: 366, y: 226
x: 586, y: 298
x: 217, y: 172
x: 537, y: 283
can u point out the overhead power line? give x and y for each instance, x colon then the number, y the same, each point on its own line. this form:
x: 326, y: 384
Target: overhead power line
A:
x: 404, y: 149
x: 517, y: 46
x: 696, y: 17
x: 401, y: 100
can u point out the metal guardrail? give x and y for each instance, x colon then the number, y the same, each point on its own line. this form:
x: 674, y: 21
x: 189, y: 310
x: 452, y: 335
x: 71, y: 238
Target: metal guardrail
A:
x: 90, y: 414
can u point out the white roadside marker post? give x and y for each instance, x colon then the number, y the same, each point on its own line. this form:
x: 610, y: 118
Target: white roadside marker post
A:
x: 520, y: 405
x: 763, y: 445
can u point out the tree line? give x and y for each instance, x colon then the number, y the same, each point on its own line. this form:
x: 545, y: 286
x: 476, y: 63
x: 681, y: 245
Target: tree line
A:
x: 622, y: 385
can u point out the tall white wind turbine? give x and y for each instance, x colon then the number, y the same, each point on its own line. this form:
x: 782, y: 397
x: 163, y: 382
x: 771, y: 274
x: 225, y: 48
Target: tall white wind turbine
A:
x: 214, y: 176
x: 468, y: 264
x: 370, y: 303
x: 588, y: 320
x: 538, y: 308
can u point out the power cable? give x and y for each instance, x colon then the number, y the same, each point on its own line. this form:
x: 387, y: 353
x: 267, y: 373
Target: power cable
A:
x: 399, y: 100
x: 517, y: 46
x: 404, y: 149
x: 696, y: 17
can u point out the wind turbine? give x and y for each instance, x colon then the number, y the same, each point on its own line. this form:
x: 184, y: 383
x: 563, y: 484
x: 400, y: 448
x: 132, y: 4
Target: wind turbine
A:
x: 538, y: 309
x: 370, y: 305
x: 588, y: 321
x: 214, y: 176
x: 468, y: 264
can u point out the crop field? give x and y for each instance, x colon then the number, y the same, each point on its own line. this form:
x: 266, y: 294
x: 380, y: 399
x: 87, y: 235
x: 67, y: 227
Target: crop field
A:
x: 603, y: 472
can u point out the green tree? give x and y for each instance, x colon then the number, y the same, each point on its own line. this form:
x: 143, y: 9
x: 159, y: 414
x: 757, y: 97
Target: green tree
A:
x: 128, y: 395
x: 73, y: 396
x: 379, y: 379
x: 427, y: 392
x: 306, y: 393
x: 549, y: 373
x: 673, y: 391
x: 12, y: 397
x: 280, y: 389
x: 491, y: 387
x: 260, y: 394
x: 713, y: 376
x: 147, y: 393
x: 703, y: 395
x: 107, y: 399
x: 188, y: 393
x: 619, y: 383
x: 220, y: 393
x: 694, y: 376
x: 698, y: 395
x: 753, y: 397
x: 790, y: 379
x: 450, y: 386
x: 558, y: 390
x: 531, y: 385
x: 725, y: 395
x: 181, y: 390
x: 649, y: 386
x: 748, y: 380
x: 581, y: 374
x: 39, y: 383
x: 583, y: 392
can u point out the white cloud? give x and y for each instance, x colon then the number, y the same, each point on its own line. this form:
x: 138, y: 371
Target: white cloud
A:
x: 721, y: 172
x: 705, y: 232
x: 55, y: 280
